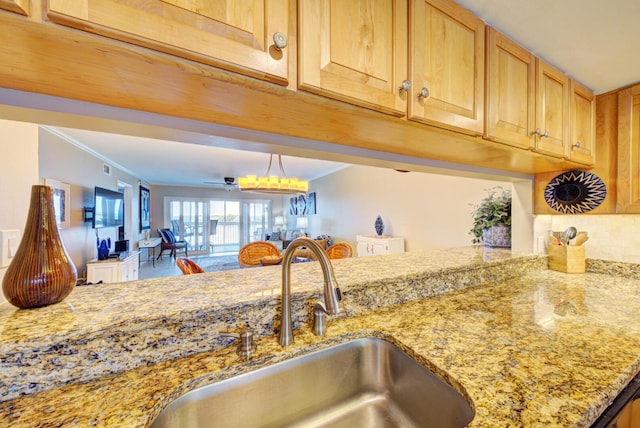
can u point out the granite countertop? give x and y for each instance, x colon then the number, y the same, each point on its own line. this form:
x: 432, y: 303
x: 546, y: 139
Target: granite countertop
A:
x: 526, y: 346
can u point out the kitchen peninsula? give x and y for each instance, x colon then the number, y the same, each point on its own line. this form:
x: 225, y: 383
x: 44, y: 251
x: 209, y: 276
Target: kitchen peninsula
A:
x: 526, y: 346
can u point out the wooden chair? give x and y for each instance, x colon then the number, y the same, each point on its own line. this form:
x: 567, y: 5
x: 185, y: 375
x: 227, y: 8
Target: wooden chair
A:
x: 180, y: 234
x: 188, y: 266
x: 250, y: 254
x: 169, y: 242
x: 305, y: 253
x: 340, y: 251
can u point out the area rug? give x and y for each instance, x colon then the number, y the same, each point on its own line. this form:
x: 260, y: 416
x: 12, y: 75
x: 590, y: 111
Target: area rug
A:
x: 218, y: 263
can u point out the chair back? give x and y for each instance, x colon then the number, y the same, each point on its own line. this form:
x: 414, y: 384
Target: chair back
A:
x: 167, y: 236
x: 340, y: 250
x: 250, y: 254
x: 188, y: 266
x: 175, y: 227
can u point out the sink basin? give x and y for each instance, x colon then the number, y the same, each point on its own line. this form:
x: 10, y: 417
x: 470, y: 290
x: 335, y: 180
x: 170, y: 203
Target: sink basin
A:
x: 363, y: 383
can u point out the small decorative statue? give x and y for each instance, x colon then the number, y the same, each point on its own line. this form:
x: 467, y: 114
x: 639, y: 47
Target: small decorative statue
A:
x: 103, y: 248
x: 379, y: 226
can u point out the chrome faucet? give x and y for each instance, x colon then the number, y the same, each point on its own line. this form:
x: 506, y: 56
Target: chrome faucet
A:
x: 332, y: 294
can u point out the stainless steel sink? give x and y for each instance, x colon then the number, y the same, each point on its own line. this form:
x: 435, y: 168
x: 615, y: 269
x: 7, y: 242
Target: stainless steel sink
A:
x: 363, y: 383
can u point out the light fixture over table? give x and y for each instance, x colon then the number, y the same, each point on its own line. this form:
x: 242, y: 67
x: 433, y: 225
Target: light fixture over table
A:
x: 273, y: 183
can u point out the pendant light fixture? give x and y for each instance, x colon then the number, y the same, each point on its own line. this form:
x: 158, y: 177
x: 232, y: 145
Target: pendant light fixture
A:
x: 273, y: 183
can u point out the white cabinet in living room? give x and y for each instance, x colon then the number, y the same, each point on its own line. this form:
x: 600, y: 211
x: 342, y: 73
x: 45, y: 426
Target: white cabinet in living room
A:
x: 373, y: 246
x: 113, y: 270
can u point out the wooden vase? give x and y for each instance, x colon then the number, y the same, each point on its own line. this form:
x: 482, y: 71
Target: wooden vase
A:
x: 41, y: 272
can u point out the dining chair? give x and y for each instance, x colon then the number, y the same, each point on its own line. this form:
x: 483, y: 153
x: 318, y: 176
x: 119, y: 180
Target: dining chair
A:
x: 340, y: 250
x: 188, y: 266
x: 251, y: 254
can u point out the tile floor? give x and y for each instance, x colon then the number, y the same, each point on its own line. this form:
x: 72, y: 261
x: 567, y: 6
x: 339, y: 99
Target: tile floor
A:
x: 166, y: 266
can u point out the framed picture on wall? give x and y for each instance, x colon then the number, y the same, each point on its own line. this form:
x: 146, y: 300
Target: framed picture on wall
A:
x: 145, y: 208
x: 311, y: 204
x: 61, y: 202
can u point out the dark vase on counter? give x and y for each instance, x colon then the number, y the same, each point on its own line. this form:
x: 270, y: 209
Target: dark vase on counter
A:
x: 41, y: 272
x: 379, y: 226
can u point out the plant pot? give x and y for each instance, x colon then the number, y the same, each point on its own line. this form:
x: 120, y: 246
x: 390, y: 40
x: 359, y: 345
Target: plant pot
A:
x: 498, y: 236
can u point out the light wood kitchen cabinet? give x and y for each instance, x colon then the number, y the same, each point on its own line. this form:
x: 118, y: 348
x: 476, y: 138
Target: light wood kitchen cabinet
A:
x: 355, y: 51
x: 234, y: 35
x: 511, y: 83
x: 342, y: 57
x: 447, y: 66
x: 532, y: 105
x: 606, y: 152
x: 552, y: 110
x: 583, y: 134
x: 17, y: 6
x: 628, y: 183
x: 629, y: 417
x: 77, y: 65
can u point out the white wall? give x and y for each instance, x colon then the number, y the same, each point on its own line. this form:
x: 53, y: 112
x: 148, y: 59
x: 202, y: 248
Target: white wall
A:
x: 63, y: 161
x: 428, y: 210
x: 611, y: 237
x: 19, y: 148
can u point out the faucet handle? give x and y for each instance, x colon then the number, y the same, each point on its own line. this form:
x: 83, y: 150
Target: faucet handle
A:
x: 246, y: 345
x: 318, y: 325
x: 338, y: 294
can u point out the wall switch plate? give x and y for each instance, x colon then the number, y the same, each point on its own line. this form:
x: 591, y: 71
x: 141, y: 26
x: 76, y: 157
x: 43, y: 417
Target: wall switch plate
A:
x: 9, y: 241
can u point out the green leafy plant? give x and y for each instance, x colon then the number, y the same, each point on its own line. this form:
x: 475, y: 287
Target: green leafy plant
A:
x: 492, y: 210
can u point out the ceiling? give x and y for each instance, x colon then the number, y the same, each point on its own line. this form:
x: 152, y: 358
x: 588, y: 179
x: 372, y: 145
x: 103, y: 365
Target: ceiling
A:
x: 595, y: 42
x: 163, y: 162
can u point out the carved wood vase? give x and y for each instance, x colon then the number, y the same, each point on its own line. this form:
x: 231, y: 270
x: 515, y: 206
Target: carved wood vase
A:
x: 41, y: 272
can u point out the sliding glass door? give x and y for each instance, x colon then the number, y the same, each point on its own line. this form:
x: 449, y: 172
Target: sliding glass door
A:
x: 255, y: 215
x: 224, y: 220
x: 187, y: 219
x: 217, y: 226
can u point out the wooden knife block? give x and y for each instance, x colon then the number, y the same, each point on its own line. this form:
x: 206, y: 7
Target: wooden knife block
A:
x: 567, y: 258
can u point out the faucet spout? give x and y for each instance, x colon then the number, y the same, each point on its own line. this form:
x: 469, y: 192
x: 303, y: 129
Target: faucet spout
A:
x: 331, y: 291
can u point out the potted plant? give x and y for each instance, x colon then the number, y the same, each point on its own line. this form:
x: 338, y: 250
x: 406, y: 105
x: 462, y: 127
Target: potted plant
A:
x: 492, y: 219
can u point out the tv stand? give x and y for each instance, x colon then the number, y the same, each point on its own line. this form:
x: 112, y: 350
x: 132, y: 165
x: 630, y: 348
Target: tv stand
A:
x: 113, y: 269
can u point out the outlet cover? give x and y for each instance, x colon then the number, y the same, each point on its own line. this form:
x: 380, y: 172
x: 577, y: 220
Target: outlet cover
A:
x: 9, y: 241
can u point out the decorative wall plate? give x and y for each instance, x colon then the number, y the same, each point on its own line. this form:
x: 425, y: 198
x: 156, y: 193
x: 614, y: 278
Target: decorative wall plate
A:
x: 575, y: 192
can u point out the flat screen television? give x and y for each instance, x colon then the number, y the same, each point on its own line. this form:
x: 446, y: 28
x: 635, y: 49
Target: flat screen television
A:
x: 109, y: 208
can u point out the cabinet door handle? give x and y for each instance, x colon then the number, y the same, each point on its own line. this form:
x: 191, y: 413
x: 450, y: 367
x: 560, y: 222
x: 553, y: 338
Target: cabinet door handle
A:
x: 405, y: 86
x: 577, y: 145
x: 424, y: 93
x: 279, y: 41
x: 539, y: 133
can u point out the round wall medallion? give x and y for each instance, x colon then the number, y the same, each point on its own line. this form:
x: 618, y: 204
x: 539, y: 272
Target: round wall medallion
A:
x: 575, y: 192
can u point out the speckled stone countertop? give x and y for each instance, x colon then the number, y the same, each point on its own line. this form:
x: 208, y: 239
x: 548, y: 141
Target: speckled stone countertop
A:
x: 526, y: 346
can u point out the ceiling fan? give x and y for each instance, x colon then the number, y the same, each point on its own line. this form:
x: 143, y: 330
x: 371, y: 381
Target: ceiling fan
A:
x: 228, y: 185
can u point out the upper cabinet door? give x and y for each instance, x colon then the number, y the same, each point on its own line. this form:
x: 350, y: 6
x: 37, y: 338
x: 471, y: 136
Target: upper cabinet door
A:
x: 447, y: 61
x: 17, y: 6
x: 552, y: 110
x: 231, y: 34
x: 511, y: 80
x: 354, y: 51
x: 628, y: 180
x: 583, y: 134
